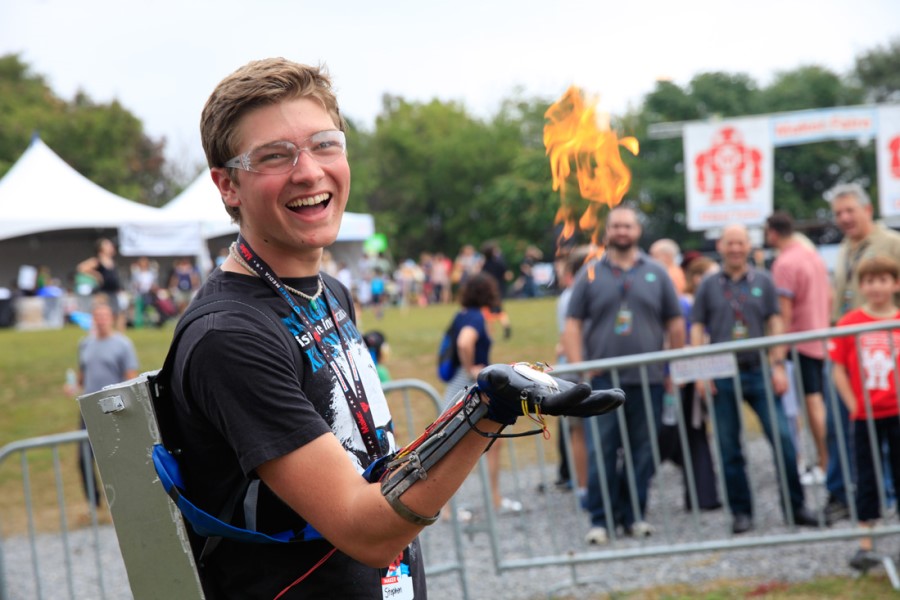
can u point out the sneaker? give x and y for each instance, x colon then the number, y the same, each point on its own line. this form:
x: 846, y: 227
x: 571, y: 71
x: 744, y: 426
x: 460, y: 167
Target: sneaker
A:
x: 804, y: 518
x: 464, y: 515
x: 641, y: 529
x: 864, y: 560
x: 508, y: 505
x: 596, y: 536
x: 813, y: 476
x: 563, y: 485
x: 836, y: 510
x: 741, y: 524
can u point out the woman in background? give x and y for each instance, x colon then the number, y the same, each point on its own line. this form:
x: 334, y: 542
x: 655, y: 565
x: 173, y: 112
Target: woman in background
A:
x: 473, y: 347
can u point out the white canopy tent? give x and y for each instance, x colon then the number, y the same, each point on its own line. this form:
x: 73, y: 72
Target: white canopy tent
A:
x: 52, y: 215
x: 43, y: 193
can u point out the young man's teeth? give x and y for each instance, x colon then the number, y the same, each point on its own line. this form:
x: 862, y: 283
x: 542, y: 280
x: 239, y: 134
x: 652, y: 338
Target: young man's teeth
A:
x: 309, y: 201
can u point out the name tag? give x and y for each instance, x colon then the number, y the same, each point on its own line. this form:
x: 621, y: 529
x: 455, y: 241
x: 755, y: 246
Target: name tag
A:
x: 623, y: 322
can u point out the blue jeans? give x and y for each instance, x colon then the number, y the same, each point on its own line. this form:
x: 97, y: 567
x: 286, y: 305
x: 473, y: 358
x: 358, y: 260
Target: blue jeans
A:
x: 836, y: 412
x: 728, y: 429
x: 610, y: 441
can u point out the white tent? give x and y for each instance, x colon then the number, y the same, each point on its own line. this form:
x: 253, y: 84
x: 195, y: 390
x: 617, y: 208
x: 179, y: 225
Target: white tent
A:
x: 52, y: 215
x: 201, y: 202
x: 42, y: 193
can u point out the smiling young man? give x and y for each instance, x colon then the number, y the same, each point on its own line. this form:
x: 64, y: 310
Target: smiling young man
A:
x: 277, y: 408
x: 247, y: 409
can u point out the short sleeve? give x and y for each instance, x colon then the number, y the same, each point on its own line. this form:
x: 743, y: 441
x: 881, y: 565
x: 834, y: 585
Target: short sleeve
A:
x: 784, y: 276
x: 578, y: 300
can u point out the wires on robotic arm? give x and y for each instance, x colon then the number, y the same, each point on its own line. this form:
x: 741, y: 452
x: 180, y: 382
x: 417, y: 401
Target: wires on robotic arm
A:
x: 502, y: 394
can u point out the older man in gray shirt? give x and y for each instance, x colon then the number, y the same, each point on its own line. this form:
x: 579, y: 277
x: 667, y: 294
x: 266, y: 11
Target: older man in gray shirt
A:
x: 738, y: 303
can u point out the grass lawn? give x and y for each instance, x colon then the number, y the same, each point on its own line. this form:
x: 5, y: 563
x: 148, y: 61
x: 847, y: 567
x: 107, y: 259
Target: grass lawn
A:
x: 33, y: 366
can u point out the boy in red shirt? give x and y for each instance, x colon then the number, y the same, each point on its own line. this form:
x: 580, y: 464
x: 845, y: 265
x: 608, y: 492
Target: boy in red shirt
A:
x: 879, y: 280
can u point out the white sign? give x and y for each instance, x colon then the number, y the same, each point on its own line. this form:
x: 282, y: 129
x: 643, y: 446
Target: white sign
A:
x: 807, y: 126
x: 160, y: 239
x: 888, y: 157
x: 728, y: 172
x: 716, y: 366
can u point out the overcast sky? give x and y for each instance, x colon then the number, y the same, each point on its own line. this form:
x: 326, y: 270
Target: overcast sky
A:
x: 162, y: 58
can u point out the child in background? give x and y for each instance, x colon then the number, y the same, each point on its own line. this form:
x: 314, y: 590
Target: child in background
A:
x: 380, y: 350
x: 879, y: 280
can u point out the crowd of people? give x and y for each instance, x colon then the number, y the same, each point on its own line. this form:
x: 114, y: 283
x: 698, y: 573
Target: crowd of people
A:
x: 435, y: 278
x: 628, y: 302
x: 149, y: 292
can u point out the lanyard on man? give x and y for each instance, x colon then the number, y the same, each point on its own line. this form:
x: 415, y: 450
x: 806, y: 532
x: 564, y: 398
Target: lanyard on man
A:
x: 624, y: 318
x: 354, y: 391
x: 739, y: 330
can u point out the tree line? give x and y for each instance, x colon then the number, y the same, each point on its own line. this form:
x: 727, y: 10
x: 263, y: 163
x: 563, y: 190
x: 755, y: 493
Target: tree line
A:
x: 436, y: 177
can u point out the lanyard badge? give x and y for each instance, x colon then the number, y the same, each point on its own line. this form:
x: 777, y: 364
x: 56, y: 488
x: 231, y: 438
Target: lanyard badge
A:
x: 623, y: 321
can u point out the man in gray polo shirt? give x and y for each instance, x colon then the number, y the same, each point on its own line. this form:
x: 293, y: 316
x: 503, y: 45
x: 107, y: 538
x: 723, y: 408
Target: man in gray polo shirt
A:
x: 622, y: 304
x: 738, y: 303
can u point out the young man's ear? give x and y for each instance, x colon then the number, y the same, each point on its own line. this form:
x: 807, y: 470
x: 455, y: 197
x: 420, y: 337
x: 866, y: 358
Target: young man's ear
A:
x: 227, y: 186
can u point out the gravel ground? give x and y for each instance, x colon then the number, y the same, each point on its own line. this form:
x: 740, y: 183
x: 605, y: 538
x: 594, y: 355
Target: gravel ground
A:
x: 550, y: 525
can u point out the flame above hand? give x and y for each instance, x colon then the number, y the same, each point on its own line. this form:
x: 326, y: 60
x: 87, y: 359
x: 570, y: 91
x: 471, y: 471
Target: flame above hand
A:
x: 574, y: 132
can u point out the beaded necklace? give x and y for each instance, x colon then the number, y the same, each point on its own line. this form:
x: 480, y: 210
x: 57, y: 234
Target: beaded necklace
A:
x: 233, y: 252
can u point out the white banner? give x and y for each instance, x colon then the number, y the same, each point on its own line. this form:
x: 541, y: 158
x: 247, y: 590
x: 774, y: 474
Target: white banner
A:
x: 161, y: 239
x: 728, y: 172
x: 888, y: 156
x: 821, y: 125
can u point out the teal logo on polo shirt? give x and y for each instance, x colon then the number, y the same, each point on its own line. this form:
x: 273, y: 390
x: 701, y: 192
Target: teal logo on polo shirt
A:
x: 756, y: 292
x: 651, y: 277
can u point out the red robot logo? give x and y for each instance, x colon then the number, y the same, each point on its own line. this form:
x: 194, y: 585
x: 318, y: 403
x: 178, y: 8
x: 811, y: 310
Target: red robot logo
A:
x: 729, y: 158
x: 894, y: 149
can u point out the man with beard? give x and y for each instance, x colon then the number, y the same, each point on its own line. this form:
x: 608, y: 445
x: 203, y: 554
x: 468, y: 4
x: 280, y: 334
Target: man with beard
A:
x: 623, y: 303
x: 740, y: 302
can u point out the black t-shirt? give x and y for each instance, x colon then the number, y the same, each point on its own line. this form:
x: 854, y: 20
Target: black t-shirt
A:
x: 496, y: 268
x: 242, y: 399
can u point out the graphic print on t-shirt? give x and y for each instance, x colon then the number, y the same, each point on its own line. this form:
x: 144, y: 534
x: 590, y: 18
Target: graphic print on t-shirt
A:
x: 876, y: 361
x: 333, y: 401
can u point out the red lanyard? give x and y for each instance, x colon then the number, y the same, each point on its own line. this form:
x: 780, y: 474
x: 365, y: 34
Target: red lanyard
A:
x: 737, y: 304
x: 354, y: 391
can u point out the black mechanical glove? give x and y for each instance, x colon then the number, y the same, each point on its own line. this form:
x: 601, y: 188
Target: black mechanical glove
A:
x: 506, y: 386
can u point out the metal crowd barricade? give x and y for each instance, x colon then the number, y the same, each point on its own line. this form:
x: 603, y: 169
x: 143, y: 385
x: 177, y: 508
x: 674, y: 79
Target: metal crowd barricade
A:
x: 530, y: 542
x: 69, y: 563
x: 53, y: 565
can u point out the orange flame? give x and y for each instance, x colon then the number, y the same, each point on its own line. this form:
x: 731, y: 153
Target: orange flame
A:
x: 574, y: 131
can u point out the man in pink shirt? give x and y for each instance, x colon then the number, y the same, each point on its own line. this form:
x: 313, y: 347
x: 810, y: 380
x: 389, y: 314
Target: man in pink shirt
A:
x: 804, y: 294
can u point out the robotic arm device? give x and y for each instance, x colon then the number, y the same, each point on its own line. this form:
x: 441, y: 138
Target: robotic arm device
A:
x: 502, y: 394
